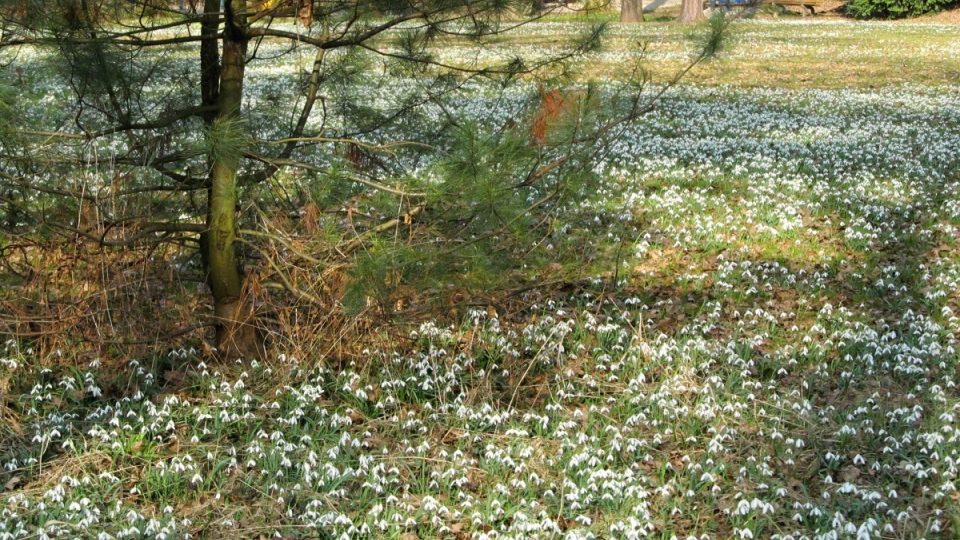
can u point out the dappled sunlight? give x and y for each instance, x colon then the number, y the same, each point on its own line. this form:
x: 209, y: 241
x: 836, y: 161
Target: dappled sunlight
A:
x: 779, y: 357
x: 742, y: 324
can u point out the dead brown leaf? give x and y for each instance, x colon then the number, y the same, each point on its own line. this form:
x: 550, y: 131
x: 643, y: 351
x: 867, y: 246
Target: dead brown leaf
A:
x: 12, y: 483
x: 849, y: 473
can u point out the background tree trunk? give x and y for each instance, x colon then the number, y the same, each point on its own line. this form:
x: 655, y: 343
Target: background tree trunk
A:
x: 691, y: 11
x: 235, y: 334
x: 210, y: 55
x: 631, y: 11
x: 305, y: 12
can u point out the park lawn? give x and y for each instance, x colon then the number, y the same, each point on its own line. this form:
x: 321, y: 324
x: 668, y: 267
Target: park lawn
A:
x: 788, y: 52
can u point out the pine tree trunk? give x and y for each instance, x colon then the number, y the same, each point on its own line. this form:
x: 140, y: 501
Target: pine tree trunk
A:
x: 235, y: 334
x: 691, y: 11
x: 631, y: 11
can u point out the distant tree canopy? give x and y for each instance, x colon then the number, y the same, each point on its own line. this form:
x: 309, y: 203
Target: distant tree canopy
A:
x: 153, y: 131
x: 896, y: 9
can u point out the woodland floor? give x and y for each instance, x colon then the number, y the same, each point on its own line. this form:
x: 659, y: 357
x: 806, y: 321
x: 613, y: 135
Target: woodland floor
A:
x: 777, y: 360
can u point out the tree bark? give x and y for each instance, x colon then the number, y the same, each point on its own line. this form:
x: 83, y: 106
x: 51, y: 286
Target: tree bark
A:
x: 631, y: 11
x: 235, y: 335
x: 210, y: 55
x: 691, y: 11
x: 305, y: 12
